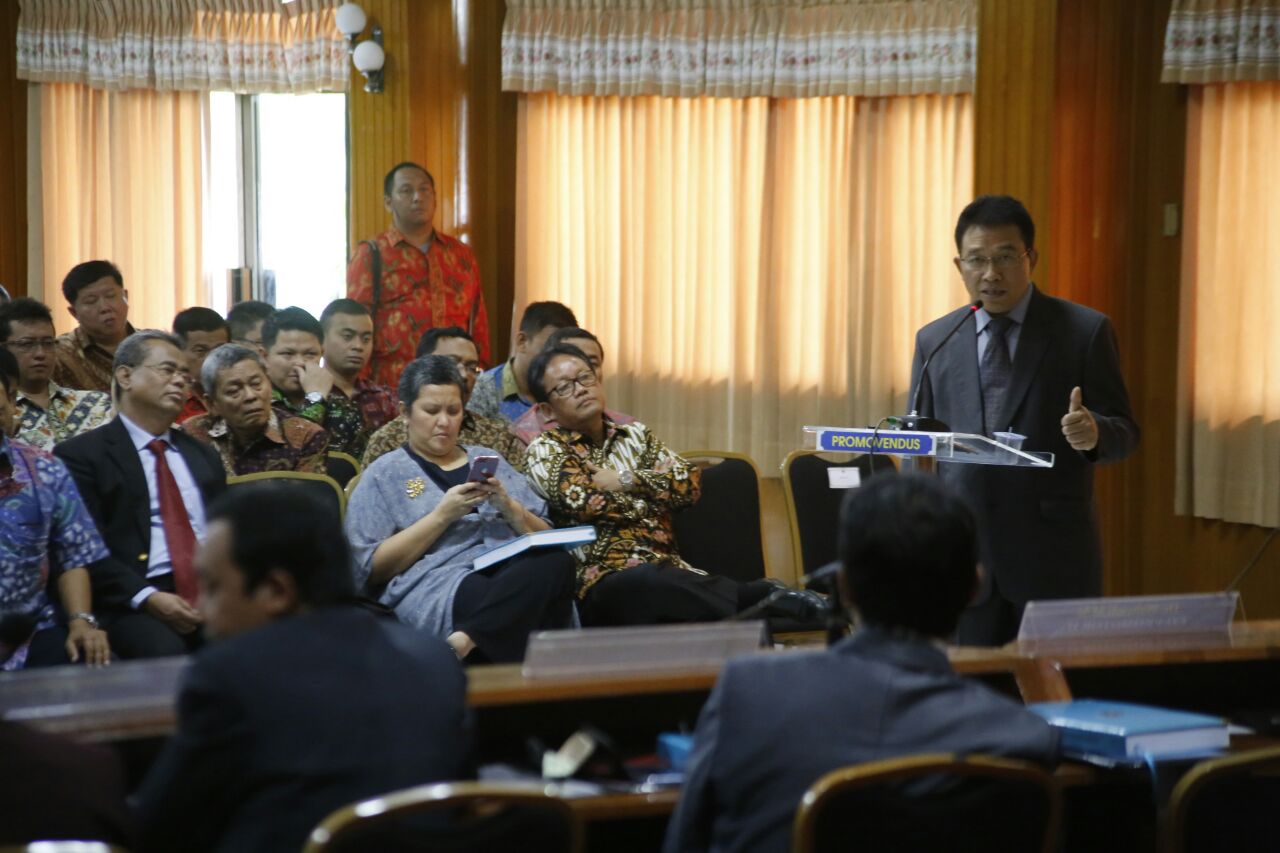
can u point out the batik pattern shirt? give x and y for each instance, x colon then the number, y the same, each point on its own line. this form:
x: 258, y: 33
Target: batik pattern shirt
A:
x: 338, y: 414
x: 476, y: 431
x: 45, y: 525
x: 82, y: 364
x: 70, y: 413
x: 632, y: 528
x: 377, y: 405
x: 289, y: 443
x: 420, y: 291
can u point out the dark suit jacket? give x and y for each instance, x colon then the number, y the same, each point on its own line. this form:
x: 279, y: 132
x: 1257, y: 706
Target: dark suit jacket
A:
x: 282, y: 725
x: 776, y: 723
x: 1036, y: 527
x: 109, y: 476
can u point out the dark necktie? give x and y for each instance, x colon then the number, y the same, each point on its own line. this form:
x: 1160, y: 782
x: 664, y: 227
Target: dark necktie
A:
x: 178, y: 534
x: 997, y: 369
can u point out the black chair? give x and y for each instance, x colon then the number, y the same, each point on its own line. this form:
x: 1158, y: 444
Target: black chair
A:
x: 814, y: 507
x: 1226, y: 804
x: 929, y: 803
x: 723, y: 531
x: 342, y: 467
x: 325, y: 488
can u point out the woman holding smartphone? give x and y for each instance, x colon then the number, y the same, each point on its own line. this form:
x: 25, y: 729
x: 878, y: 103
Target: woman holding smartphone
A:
x: 420, y: 516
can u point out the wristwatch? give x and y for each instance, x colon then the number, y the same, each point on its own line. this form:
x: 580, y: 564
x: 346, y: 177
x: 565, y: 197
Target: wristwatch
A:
x: 627, y: 478
x: 87, y: 617
x: 313, y: 397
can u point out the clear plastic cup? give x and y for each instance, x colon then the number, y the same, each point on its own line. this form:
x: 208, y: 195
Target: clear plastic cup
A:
x: 1010, y: 439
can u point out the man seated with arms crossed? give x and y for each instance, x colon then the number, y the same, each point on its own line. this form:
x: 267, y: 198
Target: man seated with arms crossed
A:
x: 97, y: 299
x: 503, y: 391
x: 248, y: 432
x: 246, y: 319
x: 200, y: 331
x: 47, y: 412
x: 304, y: 703
x: 624, y: 481
x: 47, y: 534
x: 146, y: 484
x: 348, y: 341
x: 453, y: 342
x: 535, y: 421
x: 775, y: 724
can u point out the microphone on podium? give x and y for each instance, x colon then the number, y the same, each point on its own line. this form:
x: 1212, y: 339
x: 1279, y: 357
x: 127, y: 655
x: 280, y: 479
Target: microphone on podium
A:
x: 914, y: 421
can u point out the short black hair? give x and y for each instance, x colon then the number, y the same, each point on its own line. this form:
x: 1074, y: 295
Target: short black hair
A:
x: 390, y: 180
x: 8, y: 374
x: 291, y: 319
x: 991, y: 211
x: 85, y: 274
x: 431, y: 338
x: 243, y: 316
x: 910, y: 551
x: 429, y: 370
x: 539, y: 315
x: 281, y: 526
x: 342, y: 306
x: 538, y: 369
x: 570, y: 333
x: 24, y: 309
x: 198, y: 320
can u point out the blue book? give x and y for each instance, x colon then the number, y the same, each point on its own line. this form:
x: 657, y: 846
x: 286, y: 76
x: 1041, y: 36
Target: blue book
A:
x: 564, y: 537
x: 1124, y: 730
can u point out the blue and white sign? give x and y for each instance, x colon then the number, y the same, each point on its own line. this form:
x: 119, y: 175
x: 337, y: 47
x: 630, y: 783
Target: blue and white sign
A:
x: 886, y: 441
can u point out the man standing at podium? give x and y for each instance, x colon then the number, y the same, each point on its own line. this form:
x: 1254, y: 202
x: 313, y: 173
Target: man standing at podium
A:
x: 1043, y: 368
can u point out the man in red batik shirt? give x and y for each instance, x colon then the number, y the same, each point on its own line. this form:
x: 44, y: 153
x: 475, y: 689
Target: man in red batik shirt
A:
x: 427, y: 279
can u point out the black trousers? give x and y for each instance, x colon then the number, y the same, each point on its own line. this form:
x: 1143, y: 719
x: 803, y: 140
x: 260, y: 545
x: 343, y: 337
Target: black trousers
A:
x: 49, y: 647
x: 992, y: 621
x: 138, y: 634
x: 499, y: 607
x: 660, y: 594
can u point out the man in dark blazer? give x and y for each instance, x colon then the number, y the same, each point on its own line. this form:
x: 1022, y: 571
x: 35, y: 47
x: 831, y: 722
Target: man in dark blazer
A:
x: 775, y: 724
x: 147, y: 500
x: 304, y: 702
x: 1043, y: 368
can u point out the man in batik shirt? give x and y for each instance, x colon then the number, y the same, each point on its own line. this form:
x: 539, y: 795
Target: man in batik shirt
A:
x: 539, y: 419
x: 348, y: 340
x: 48, y: 536
x: 249, y: 433
x: 47, y: 412
x: 452, y: 342
x: 97, y: 299
x: 425, y: 279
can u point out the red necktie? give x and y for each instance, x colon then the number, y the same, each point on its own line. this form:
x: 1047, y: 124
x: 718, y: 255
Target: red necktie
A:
x: 177, y: 526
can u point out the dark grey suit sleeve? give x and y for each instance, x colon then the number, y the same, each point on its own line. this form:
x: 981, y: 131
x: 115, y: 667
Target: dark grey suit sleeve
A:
x: 1106, y: 397
x: 691, y: 825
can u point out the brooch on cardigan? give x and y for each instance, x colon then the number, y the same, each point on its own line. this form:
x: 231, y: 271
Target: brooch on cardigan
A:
x: 415, y: 487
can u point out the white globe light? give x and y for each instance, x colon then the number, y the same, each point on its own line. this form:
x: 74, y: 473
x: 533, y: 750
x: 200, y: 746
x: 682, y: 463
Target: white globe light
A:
x: 350, y: 19
x: 368, y: 57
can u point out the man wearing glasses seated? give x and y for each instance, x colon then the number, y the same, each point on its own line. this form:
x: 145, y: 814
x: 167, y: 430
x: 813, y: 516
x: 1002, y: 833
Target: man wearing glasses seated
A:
x: 47, y: 412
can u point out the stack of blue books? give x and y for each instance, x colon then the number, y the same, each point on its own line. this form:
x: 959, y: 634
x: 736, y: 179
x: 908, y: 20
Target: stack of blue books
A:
x: 1120, y: 730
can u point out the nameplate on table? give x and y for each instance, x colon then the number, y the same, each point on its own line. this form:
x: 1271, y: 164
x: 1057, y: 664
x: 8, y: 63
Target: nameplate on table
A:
x: 640, y: 651
x: 893, y: 442
x: 1128, y: 616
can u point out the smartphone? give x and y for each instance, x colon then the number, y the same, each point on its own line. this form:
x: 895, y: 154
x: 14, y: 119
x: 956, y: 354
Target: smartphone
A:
x: 482, y: 468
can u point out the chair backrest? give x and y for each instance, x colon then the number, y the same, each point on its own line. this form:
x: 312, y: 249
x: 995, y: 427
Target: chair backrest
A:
x: 930, y: 802
x: 723, y: 532
x: 484, y: 816
x: 326, y: 488
x: 341, y: 466
x: 351, y: 486
x: 814, y: 507
x: 1226, y: 804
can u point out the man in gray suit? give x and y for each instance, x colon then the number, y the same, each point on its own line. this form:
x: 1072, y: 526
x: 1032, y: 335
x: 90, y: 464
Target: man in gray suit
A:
x: 776, y: 723
x: 1046, y: 369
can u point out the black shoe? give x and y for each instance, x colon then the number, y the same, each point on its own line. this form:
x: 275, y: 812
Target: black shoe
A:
x: 798, y: 605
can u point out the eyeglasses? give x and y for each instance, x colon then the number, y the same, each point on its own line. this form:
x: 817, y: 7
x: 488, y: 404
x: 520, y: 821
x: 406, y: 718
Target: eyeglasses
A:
x: 583, y: 380
x: 977, y: 263
x: 29, y: 344
x: 468, y: 366
x: 169, y: 370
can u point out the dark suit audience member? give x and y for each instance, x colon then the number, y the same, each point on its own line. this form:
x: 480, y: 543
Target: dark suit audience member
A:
x: 304, y: 703
x: 246, y: 319
x: 199, y: 331
x: 776, y: 723
x: 146, y: 485
x: 96, y: 298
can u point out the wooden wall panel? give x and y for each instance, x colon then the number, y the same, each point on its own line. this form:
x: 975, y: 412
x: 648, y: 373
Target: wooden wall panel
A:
x: 13, y: 158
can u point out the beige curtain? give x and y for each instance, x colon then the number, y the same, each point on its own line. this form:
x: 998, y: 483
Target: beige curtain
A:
x: 740, y: 48
x: 751, y: 266
x: 1220, y: 41
x: 1229, y: 426
x: 120, y: 178
x: 237, y: 45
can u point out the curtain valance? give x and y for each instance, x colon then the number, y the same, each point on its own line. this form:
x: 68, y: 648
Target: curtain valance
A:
x: 238, y: 45
x: 740, y: 48
x: 1222, y: 41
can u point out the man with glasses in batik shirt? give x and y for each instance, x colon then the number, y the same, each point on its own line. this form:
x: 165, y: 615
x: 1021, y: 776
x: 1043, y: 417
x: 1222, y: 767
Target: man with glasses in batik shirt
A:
x: 47, y: 412
x: 415, y: 278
